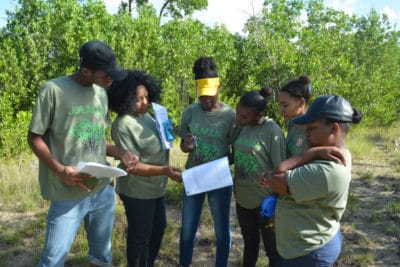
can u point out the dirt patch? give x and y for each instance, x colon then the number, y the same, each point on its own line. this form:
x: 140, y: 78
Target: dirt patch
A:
x: 370, y: 226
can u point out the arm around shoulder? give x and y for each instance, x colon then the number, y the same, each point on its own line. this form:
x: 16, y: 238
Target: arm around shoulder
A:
x: 325, y: 152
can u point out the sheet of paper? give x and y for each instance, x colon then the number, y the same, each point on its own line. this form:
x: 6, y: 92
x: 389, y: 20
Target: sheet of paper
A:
x: 160, y: 114
x: 208, y: 176
x: 99, y: 170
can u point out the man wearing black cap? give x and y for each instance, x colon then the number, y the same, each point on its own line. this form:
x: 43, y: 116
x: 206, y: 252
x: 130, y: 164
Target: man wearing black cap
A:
x: 68, y: 125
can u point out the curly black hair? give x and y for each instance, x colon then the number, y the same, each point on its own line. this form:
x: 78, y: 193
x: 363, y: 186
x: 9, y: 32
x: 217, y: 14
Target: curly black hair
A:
x: 122, y: 94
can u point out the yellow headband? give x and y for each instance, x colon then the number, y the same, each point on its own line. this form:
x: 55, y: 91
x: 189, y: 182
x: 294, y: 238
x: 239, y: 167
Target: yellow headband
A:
x: 207, y: 86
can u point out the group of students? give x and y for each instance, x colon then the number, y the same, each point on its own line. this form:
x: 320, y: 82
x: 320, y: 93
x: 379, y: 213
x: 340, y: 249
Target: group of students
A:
x: 309, y: 170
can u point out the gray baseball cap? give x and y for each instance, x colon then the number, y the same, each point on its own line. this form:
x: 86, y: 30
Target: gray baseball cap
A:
x: 332, y: 107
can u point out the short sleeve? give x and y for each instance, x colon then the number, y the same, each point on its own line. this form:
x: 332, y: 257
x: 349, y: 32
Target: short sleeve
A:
x: 277, y: 145
x: 43, y: 112
x: 123, y: 136
x: 185, y: 120
x: 234, y: 131
x: 308, y: 182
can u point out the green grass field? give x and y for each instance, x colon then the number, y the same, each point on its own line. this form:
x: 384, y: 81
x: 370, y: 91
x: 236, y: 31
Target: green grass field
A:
x: 371, y: 225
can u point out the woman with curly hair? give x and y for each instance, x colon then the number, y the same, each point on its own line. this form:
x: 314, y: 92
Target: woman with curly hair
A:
x: 142, y: 190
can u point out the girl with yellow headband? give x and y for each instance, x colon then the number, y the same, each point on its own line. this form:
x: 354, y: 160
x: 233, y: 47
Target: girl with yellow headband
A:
x: 206, y: 131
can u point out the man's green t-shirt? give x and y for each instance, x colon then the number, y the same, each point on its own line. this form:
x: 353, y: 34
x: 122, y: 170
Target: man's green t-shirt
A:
x: 214, y: 133
x: 139, y: 135
x: 296, y: 141
x: 72, y: 120
x: 258, y: 149
x: 310, y: 217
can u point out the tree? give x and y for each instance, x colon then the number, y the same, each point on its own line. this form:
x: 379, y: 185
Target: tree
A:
x: 40, y: 42
x: 183, y: 42
x: 172, y: 8
x: 355, y: 57
x: 181, y: 8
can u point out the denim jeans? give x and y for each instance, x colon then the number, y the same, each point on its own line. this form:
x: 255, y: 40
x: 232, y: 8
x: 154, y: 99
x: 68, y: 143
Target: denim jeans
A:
x: 64, y: 219
x: 323, y: 257
x: 220, y: 202
x: 146, y: 224
x: 253, y: 225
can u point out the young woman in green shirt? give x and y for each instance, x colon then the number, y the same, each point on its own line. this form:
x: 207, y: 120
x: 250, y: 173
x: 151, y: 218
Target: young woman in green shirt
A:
x: 142, y: 190
x: 206, y: 130
x: 259, y: 147
x: 293, y: 100
x: 307, y: 221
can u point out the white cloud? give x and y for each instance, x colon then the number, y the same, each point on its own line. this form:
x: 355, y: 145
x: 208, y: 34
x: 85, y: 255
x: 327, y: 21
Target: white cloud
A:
x: 112, y: 5
x: 232, y: 13
x: 347, y: 6
x: 392, y: 15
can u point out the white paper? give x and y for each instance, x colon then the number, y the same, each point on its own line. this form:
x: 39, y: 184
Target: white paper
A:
x: 99, y: 170
x: 160, y: 114
x: 208, y: 176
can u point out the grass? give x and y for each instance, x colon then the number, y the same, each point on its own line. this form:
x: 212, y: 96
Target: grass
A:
x: 353, y: 202
x: 367, y: 175
x: 393, y: 228
x: 23, y: 211
x: 363, y: 259
x: 20, y: 194
x: 373, y: 142
x: 18, y: 184
x: 394, y: 207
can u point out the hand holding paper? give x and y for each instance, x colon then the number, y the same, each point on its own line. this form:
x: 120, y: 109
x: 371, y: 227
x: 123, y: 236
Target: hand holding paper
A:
x: 70, y: 176
x: 99, y: 170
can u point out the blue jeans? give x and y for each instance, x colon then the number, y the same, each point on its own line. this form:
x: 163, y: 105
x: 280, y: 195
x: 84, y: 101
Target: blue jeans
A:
x: 64, y: 219
x: 323, y: 257
x: 220, y: 202
x: 146, y: 224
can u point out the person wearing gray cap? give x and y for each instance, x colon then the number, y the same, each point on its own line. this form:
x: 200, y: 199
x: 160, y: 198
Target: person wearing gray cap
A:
x: 313, y: 192
x: 68, y: 126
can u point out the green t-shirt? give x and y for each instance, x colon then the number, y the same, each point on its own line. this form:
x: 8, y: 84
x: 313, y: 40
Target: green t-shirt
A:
x: 139, y: 135
x: 214, y: 133
x: 258, y: 149
x: 296, y: 141
x: 72, y: 120
x: 310, y: 217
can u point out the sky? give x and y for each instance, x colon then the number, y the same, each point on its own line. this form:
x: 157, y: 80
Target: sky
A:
x: 234, y: 13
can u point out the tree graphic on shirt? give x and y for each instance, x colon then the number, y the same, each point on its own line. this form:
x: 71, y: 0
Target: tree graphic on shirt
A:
x: 88, y: 135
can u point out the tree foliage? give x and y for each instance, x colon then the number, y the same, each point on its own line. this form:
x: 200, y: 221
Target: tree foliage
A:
x: 357, y: 57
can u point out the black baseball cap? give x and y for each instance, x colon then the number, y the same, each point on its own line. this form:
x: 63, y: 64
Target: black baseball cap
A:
x: 97, y: 55
x: 332, y: 107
